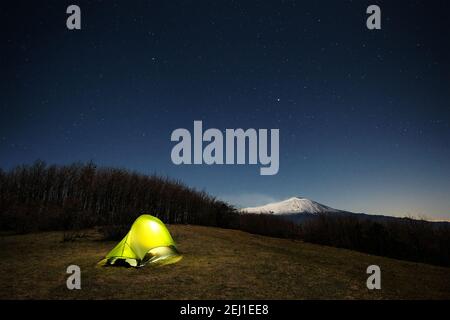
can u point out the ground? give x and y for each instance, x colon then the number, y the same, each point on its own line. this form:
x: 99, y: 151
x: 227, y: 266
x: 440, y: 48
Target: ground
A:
x: 217, y: 264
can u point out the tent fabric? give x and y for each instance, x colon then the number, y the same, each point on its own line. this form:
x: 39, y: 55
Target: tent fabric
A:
x: 147, y: 242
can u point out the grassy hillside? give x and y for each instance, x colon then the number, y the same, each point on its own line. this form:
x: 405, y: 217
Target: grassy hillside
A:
x: 217, y: 264
x: 80, y: 196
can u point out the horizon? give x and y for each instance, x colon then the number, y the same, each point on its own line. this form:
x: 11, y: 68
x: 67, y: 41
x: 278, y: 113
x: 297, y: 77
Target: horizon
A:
x: 367, y: 213
x: 363, y: 115
x: 254, y: 199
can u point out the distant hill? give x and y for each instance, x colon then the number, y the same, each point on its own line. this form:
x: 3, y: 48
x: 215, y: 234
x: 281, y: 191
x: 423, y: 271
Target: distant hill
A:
x: 401, y: 238
x: 292, y: 205
x: 300, y: 209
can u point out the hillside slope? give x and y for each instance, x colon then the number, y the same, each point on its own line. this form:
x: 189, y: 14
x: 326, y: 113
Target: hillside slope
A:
x: 217, y: 264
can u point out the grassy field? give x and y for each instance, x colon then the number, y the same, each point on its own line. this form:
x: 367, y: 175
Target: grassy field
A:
x: 217, y: 264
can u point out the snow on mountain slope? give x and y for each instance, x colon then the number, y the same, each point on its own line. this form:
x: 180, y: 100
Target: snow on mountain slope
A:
x: 291, y: 206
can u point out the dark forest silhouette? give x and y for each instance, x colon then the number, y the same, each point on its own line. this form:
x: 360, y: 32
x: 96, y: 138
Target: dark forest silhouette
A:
x: 41, y: 197
x: 400, y: 238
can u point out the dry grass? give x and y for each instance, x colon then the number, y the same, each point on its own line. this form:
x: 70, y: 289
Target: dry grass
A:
x: 217, y: 264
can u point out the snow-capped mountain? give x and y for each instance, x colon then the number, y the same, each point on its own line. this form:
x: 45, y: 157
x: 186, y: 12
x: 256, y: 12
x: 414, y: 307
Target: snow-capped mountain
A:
x: 291, y: 206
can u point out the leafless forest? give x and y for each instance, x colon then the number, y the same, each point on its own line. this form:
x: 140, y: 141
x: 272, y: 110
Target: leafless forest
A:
x: 41, y: 197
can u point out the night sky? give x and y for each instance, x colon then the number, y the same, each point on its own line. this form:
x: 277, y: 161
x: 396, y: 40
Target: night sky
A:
x: 363, y: 115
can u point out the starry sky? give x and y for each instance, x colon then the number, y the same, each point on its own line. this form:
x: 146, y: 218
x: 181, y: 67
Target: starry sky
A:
x: 363, y: 115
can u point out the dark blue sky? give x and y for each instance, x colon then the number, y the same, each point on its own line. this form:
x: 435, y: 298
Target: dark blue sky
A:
x: 363, y: 115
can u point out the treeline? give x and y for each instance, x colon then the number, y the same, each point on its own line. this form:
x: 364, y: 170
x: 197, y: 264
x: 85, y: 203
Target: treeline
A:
x: 402, y: 238
x: 40, y: 197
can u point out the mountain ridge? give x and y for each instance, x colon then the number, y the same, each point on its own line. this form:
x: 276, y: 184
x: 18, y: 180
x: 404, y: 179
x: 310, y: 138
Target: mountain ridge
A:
x: 299, y: 209
x: 293, y: 205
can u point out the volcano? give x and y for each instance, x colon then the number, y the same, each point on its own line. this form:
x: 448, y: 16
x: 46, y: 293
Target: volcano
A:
x: 290, y: 206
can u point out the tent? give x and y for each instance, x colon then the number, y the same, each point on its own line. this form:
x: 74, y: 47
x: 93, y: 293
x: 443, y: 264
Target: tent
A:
x: 147, y: 242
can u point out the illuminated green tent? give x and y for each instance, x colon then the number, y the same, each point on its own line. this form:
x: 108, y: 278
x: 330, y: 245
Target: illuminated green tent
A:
x: 147, y: 242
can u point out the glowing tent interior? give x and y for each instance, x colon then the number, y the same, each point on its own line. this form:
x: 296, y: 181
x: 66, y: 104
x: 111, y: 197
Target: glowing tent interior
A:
x: 147, y: 242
